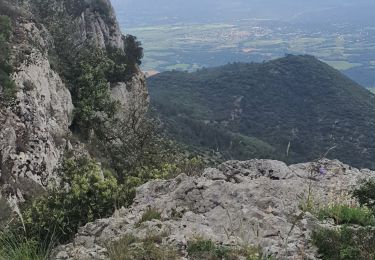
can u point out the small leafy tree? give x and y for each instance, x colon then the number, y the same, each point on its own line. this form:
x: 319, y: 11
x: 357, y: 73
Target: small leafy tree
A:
x: 136, y: 149
x: 133, y: 49
x: 126, y: 60
x: 90, y: 90
x: 133, y: 142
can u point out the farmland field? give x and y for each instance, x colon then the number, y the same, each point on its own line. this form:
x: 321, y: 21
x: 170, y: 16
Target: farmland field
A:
x: 347, y: 45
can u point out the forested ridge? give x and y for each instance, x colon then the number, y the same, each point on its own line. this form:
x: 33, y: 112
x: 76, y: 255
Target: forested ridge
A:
x: 296, y: 103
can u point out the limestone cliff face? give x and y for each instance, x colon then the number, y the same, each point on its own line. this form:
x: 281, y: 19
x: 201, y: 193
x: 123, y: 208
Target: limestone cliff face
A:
x: 34, y: 132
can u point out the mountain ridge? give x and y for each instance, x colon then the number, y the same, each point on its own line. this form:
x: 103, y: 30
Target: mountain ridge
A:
x: 297, y: 99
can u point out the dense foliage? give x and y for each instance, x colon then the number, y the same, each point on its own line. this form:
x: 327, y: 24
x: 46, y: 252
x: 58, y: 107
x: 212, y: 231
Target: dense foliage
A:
x: 365, y: 194
x: 295, y: 100
x: 86, y: 193
x: 7, y: 86
x: 89, y: 76
x: 346, y: 243
x: 133, y: 49
x: 89, y: 88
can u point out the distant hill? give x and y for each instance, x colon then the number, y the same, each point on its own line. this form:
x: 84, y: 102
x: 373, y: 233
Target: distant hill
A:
x: 256, y: 110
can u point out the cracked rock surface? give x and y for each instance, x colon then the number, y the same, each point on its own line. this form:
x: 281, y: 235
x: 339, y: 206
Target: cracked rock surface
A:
x: 253, y: 202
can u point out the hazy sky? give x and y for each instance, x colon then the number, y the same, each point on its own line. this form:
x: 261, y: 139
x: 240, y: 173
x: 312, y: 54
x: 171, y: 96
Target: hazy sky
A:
x: 145, y: 12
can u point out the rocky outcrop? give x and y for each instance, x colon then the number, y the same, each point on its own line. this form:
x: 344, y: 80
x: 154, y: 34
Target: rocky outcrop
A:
x: 132, y: 95
x: 34, y: 132
x: 103, y: 30
x: 254, y: 202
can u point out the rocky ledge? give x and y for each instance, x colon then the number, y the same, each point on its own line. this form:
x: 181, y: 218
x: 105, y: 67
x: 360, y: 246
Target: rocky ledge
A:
x: 256, y: 202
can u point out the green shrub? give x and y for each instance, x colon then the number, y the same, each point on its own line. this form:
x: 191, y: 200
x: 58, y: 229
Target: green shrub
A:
x: 121, y: 69
x: 131, y: 248
x: 206, y: 249
x: 365, y: 194
x: 149, y: 215
x: 343, y: 214
x: 193, y: 166
x: 85, y: 195
x: 345, y: 243
x: 134, y: 178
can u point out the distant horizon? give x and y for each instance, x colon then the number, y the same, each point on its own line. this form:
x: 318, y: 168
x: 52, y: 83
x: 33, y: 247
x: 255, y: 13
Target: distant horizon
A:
x: 212, y: 33
x: 150, y: 12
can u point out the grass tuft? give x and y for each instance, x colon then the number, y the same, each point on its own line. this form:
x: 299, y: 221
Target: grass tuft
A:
x: 132, y: 248
x: 18, y: 247
x: 343, y: 214
x: 148, y: 215
x: 207, y: 249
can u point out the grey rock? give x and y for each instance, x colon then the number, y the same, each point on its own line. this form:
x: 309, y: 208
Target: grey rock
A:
x: 214, y: 174
x: 259, y: 210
